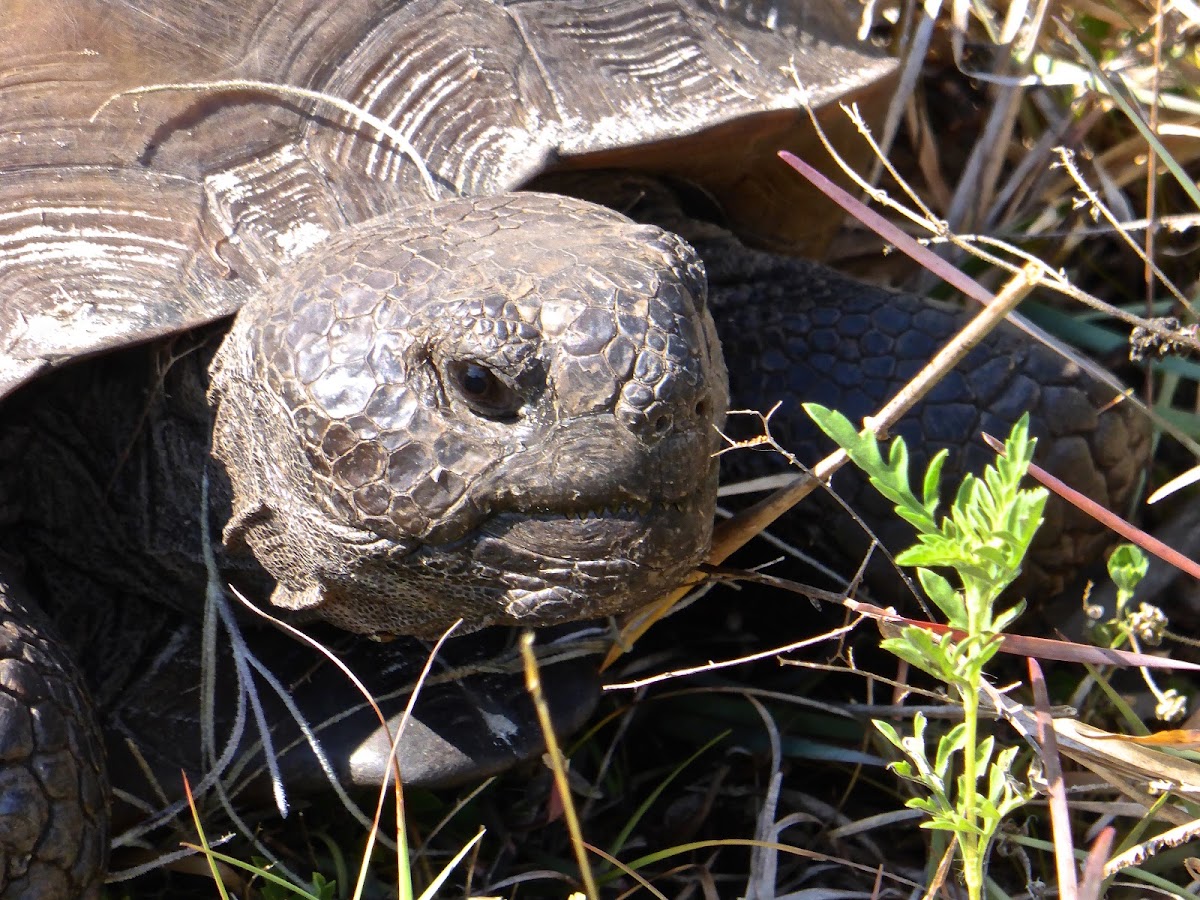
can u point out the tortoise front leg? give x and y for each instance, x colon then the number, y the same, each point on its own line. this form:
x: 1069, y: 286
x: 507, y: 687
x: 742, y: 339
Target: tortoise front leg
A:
x: 795, y: 332
x: 53, y: 780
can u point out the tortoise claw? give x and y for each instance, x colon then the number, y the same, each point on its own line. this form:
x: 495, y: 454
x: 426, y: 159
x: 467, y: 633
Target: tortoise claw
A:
x: 460, y: 730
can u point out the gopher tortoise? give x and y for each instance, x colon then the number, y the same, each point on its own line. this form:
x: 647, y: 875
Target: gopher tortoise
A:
x: 440, y: 399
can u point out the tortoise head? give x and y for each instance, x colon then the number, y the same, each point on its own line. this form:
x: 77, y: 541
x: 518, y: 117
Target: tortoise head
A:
x: 497, y: 409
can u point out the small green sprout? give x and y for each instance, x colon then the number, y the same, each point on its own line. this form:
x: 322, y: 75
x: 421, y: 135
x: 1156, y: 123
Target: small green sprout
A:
x: 983, y: 541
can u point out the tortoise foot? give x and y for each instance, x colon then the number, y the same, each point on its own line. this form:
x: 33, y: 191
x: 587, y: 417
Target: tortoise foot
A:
x: 53, y: 781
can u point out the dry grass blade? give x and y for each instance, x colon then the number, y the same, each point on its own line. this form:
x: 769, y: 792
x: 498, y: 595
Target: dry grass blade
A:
x: 938, y: 881
x: 558, y: 764
x: 891, y: 623
x: 1141, y: 773
x: 1118, y: 95
x: 1178, y: 738
x: 1033, y: 647
x: 1178, y: 483
x: 801, y: 852
x: 1060, y: 816
x: 889, y: 232
x: 725, y: 664
x: 1135, y: 856
x: 1092, y: 886
x: 401, y: 845
x: 1067, y: 161
x: 632, y: 873
x: 1147, y: 542
x: 984, y: 248
x: 432, y: 891
x: 217, y: 875
x: 764, y: 860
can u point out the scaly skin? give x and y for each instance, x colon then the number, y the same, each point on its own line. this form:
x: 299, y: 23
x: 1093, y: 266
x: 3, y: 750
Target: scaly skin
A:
x: 794, y: 331
x: 597, y: 369
x: 494, y: 409
x: 53, y: 782
x: 428, y: 442
x: 816, y: 336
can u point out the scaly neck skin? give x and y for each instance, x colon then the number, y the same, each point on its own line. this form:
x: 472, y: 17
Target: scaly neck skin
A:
x: 106, y: 509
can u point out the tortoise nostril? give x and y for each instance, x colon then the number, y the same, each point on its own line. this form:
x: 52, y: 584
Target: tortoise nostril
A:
x: 662, y: 423
x: 703, y: 410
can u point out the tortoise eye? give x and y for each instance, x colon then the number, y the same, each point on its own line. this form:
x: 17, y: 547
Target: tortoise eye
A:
x: 483, y: 390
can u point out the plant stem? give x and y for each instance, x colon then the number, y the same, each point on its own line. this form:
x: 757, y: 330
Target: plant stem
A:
x: 972, y: 863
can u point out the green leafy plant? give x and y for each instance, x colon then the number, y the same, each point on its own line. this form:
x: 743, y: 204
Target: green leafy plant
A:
x: 1127, y: 566
x: 321, y: 888
x: 1143, y: 625
x: 983, y: 540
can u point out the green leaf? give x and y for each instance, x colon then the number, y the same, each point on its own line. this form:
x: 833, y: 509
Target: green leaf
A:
x: 1004, y: 759
x: 924, y: 804
x: 916, y: 657
x: 918, y: 520
x: 927, y: 554
x: 989, y: 812
x: 889, y: 732
x: 944, y: 596
x: 983, y: 753
x: 1127, y: 567
x: 323, y: 888
x: 933, y: 479
x: 919, y: 723
x: 952, y: 742
x: 1008, y: 616
x: 940, y: 825
x: 834, y: 424
x: 889, y: 477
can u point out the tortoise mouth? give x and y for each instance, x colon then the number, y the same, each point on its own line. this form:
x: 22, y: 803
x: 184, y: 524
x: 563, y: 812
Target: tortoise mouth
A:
x: 621, y: 532
x: 545, y: 566
x: 594, y: 562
